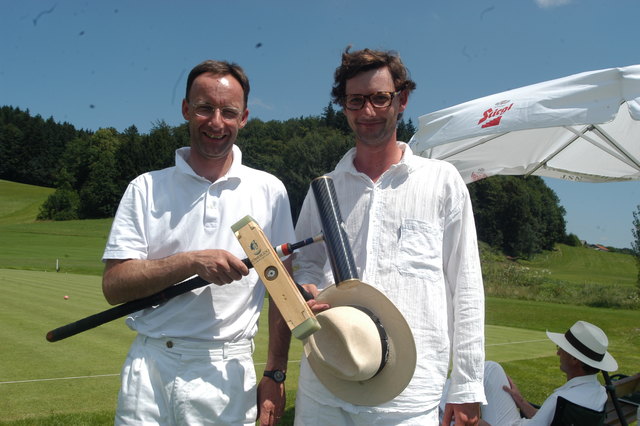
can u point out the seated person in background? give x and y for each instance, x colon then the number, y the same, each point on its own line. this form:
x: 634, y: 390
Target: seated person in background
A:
x: 583, y: 353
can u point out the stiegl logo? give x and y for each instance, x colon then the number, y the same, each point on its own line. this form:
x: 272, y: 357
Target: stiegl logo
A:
x: 494, y: 115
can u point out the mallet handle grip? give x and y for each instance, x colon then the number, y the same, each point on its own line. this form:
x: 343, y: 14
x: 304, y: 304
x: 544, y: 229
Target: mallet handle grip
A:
x: 127, y: 308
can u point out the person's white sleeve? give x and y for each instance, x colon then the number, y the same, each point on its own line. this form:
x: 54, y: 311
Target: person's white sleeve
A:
x: 309, y: 262
x: 463, y: 277
x: 281, y: 222
x: 127, y: 238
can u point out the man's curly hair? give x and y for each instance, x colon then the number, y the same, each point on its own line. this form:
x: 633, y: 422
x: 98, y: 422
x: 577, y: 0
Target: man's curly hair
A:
x: 365, y: 60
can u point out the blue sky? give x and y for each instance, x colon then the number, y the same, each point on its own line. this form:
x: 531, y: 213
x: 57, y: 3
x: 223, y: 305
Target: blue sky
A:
x: 123, y: 63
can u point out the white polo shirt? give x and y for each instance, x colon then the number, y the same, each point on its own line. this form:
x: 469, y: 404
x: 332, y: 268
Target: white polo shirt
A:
x: 173, y: 210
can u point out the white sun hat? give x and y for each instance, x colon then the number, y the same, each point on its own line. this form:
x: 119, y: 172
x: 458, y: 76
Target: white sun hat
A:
x: 587, y: 343
x: 364, y: 353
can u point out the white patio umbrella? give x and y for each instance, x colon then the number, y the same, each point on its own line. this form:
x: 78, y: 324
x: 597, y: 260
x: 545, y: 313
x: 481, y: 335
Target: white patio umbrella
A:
x: 584, y: 127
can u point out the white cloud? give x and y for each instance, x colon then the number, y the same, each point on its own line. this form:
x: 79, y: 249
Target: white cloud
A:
x: 546, y: 4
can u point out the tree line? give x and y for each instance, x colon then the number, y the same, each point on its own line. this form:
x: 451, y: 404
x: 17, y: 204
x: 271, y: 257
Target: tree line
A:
x: 90, y: 170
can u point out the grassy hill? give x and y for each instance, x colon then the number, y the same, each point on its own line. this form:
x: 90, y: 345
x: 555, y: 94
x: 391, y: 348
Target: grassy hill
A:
x: 570, y: 275
x: 20, y: 203
x: 77, y: 245
x: 36, y: 245
x: 568, y: 263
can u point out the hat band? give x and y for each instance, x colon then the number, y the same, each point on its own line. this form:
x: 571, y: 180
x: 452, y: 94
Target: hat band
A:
x: 384, y: 341
x: 586, y: 351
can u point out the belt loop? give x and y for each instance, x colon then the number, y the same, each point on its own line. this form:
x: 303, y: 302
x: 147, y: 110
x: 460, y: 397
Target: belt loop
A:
x: 225, y: 350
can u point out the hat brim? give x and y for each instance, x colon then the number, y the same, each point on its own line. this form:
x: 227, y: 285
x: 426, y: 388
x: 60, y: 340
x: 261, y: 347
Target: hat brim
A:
x: 400, y: 366
x: 608, y: 363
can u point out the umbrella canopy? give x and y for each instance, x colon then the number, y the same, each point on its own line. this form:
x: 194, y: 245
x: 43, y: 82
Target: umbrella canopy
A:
x: 584, y: 127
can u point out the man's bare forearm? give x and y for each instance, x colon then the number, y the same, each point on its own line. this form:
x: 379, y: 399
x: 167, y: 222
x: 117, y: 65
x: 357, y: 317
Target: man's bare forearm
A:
x: 279, y: 334
x: 130, y: 279
x: 125, y: 280
x: 279, y: 340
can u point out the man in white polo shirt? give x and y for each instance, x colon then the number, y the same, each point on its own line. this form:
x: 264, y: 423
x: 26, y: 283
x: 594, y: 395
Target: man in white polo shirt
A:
x: 191, y: 362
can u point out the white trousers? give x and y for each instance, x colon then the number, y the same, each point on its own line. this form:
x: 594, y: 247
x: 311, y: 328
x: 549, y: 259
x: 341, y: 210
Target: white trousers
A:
x: 177, y: 382
x: 310, y: 413
x: 500, y: 408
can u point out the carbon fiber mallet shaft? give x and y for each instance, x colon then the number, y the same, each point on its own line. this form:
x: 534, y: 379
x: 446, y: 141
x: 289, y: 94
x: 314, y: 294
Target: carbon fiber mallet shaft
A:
x: 336, y: 240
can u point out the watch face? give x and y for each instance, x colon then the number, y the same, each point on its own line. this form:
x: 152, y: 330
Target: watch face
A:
x: 278, y: 376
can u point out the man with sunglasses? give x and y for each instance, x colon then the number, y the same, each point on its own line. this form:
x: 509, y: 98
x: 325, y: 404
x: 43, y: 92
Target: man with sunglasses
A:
x: 191, y: 362
x: 410, y: 225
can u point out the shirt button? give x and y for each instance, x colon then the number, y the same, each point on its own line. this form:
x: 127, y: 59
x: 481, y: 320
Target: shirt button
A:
x: 169, y: 344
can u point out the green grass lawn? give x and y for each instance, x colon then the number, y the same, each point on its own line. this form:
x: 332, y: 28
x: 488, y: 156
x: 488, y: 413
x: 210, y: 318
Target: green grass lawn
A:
x: 75, y: 381
x: 77, y: 246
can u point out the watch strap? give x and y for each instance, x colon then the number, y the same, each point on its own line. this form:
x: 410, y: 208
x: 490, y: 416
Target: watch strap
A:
x: 277, y: 376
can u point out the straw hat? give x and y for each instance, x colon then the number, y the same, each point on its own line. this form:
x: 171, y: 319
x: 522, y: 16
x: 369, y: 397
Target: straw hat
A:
x: 587, y: 343
x: 364, y: 353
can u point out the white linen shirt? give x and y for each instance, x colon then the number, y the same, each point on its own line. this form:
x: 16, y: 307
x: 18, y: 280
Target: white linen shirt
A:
x: 174, y: 210
x: 413, y: 237
x: 583, y: 390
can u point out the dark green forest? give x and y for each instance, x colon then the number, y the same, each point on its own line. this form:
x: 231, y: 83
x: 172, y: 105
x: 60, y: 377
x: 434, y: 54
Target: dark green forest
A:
x: 90, y: 170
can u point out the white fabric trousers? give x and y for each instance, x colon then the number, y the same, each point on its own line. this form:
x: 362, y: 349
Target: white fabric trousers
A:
x: 311, y: 413
x: 177, y: 382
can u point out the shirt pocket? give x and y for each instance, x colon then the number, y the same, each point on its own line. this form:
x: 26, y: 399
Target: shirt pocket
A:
x: 420, y: 250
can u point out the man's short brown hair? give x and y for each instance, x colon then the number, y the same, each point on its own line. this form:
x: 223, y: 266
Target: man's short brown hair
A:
x: 366, y: 60
x: 220, y: 68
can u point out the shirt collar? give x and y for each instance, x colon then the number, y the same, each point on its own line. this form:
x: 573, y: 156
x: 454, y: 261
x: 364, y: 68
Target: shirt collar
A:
x: 182, y: 154
x: 346, y: 163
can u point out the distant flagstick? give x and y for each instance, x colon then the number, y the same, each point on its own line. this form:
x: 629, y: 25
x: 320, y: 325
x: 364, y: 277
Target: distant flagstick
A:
x: 168, y: 293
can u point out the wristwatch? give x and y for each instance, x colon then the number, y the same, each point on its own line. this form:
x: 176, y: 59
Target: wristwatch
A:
x: 278, y: 376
